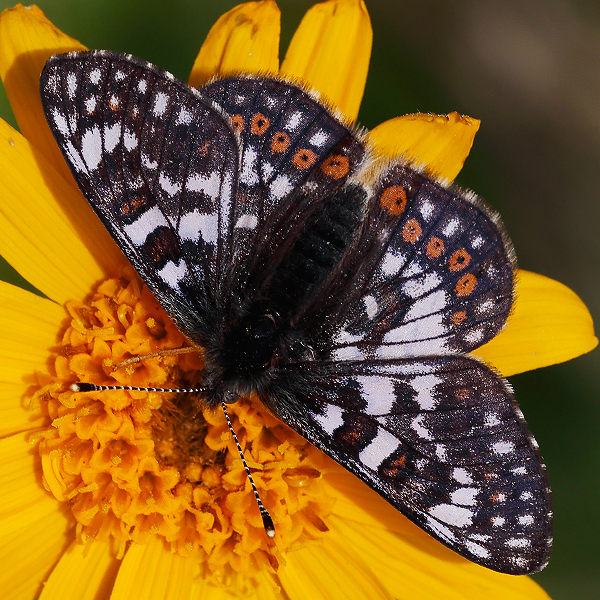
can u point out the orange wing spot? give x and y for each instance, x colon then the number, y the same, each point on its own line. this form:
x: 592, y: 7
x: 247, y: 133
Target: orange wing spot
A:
x: 400, y: 462
x: 238, y: 122
x: 411, y: 231
x: 131, y: 205
x: 203, y: 150
x: 459, y: 260
x: 113, y: 103
x: 435, y: 247
x: 462, y: 394
x: 393, y: 199
x: 465, y: 285
x: 304, y: 158
x: 280, y: 142
x: 259, y: 124
x: 458, y: 317
x: 336, y: 166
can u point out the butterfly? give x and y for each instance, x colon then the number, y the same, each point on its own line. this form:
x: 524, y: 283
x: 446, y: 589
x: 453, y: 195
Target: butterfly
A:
x: 347, y: 292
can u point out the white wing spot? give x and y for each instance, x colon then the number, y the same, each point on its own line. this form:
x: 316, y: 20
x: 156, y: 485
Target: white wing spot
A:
x: 378, y: 392
x: 423, y: 385
x: 95, y: 76
x: 144, y: 225
x: 173, y: 273
x: 420, y: 429
x: 161, y: 101
x: 60, y: 122
x: 195, y: 224
x: 71, y: 85
x: 281, y: 186
x: 382, y: 445
x: 90, y: 105
x: 91, y: 147
x: 392, y: 263
x: 462, y: 475
x: 465, y: 496
x: 503, y: 447
x: 457, y: 516
x: 247, y: 221
x: 208, y: 184
x: 371, y: 306
x: 130, y: 140
x: 477, y: 549
x: 347, y: 353
x: 451, y: 227
x: 112, y: 135
x: 319, y: 138
x: 331, y: 419
x: 426, y: 209
x: 294, y: 120
x: 170, y: 187
x: 249, y: 176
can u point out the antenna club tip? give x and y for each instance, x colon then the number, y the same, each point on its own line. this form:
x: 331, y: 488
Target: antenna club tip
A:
x: 82, y: 387
x: 268, y: 524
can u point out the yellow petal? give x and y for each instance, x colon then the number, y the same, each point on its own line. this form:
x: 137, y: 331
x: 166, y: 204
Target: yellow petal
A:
x: 549, y: 325
x: 27, y: 40
x: 29, y: 328
x: 330, y: 51
x: 28, y: 555
x: 243, y: 40
x: 24, y: 500
x: 439, y: 142
x: 407, y: 561
x: 332, y: 569
x: 410, y: 570
x: 152, y: 571
x: 83, y: 573
x: 49, y: 232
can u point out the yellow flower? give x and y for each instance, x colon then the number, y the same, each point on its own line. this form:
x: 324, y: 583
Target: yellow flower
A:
x: 116, y: 495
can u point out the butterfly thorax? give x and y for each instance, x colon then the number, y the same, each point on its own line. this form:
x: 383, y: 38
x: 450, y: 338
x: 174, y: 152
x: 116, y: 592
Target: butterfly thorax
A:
x: 268, y: 333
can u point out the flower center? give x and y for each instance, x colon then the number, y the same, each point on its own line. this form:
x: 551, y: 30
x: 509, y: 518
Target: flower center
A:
x: 132, y: 465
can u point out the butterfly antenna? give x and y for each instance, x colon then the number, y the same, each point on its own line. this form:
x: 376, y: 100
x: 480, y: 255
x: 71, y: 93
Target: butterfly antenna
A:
x: 91, y: 387
x: 264, y: 513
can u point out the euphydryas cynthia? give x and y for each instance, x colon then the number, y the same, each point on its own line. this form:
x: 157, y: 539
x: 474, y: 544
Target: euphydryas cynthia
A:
x: 344, y: 292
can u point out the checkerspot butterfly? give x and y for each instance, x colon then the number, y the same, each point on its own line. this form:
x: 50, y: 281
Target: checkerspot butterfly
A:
x: 346, y: 292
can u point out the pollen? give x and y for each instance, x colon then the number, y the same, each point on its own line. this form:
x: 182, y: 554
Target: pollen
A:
x: 133, y: 465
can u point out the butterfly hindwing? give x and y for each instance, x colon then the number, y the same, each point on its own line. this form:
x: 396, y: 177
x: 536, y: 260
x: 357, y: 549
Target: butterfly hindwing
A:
x: 294, y: 154
x: 442, y: 440
x: 442, y: 278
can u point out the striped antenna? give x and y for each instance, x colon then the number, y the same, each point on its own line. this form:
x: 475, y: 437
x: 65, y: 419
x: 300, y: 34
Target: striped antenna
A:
x: 91, y: 387
x: 264, y: 513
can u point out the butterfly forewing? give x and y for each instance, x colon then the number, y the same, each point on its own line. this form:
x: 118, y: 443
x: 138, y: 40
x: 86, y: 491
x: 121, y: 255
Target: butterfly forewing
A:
x: 157, y: 163
x: 344, y: 298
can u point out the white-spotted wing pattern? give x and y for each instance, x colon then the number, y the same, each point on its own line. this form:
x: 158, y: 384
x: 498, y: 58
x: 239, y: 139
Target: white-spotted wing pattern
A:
x: 346, y: 296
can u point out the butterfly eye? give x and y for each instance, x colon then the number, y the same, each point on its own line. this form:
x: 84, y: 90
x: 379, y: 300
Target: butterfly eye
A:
x: 264, y: 327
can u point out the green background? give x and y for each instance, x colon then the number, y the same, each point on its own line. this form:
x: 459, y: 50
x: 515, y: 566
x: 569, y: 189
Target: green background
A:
x: 531, y: 72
